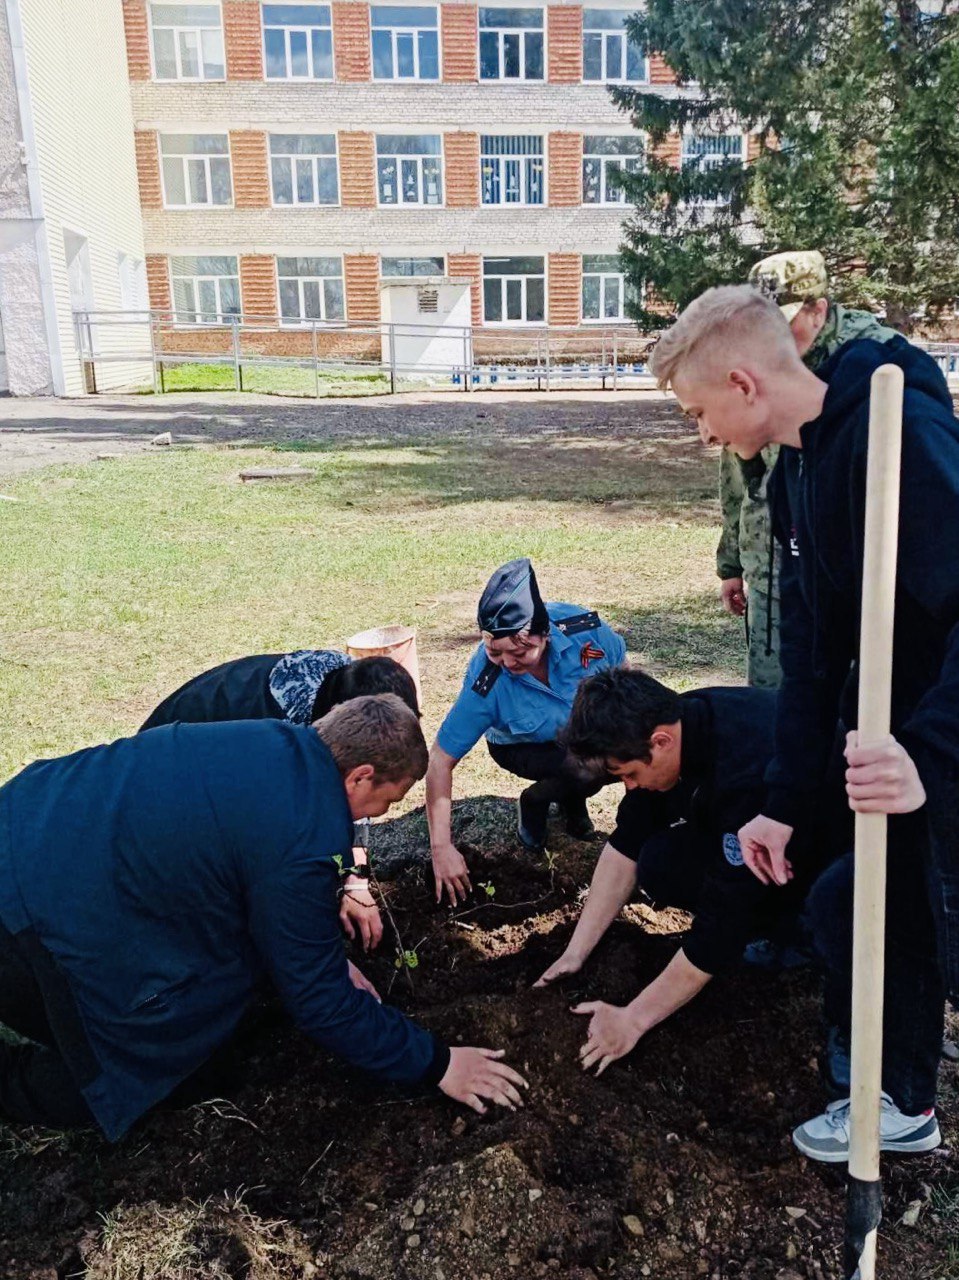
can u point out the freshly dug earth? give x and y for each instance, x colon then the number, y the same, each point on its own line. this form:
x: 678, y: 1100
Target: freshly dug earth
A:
x: 676, y: 1163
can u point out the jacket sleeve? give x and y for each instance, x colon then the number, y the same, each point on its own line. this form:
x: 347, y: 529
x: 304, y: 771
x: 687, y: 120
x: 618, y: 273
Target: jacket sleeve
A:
x: 731, y: 492
x: 295, y: 927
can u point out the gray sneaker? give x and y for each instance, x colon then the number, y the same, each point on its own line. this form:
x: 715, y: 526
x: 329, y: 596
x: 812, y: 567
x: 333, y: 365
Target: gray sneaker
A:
x: 826, y: 1137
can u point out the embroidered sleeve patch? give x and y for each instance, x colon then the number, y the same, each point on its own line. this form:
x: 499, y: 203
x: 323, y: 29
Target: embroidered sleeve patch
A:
x: 732, y: 851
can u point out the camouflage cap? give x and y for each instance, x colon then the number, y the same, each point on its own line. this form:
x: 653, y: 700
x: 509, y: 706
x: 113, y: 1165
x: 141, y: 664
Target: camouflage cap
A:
x: 791, y: 278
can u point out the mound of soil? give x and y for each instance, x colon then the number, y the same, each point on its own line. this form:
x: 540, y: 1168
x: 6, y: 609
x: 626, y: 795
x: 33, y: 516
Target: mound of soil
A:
x: 675, y: 1164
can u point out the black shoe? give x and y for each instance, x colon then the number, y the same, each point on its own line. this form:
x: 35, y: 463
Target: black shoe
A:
x: 836, y: 1066
x: 532, y: 816
x: 578, y: 823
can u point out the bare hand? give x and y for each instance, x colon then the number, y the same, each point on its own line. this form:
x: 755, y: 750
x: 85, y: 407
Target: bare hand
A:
x: 362, y: 982
x: 475, y: 1074
x: 359, y: 914
x: 733, y: 595
x: 613, y: 1032
x: 451, y: 874
x: 882, y: 777
x: 763, y: 843
x: 561, y: 968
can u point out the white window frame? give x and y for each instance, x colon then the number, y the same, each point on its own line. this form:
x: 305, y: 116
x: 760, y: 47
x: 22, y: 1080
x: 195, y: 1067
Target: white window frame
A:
x: 132, y: 277
x: 501, y: 33
x: 184, y: 157
x: 617, y: 162
x: 525, y: 162
x: 713, y: 133
x: 418, y: 158
x: 222, y: 317
x: 504, y: 280
x: 304, y: 322
x: 395, y: 78
x: 604, y: 32
x: 297, y: 203
x: 177, y: 32
x: 603, y: 277
x: 306, y: 30
x: 384, y: 275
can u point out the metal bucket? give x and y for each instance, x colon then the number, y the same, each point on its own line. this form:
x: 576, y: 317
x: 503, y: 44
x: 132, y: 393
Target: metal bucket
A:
x: 396, y: 642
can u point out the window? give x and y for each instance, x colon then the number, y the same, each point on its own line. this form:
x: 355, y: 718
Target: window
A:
x: 392, y: 268
x: 205, y: 290
x: 196, y: 169
x: 609, y: 56
x: 511, y: 168
x: 604, y: 155
x: 311, y: 290
x: 187, y: 42
x: 511, y: 44
x: 514, y: 290
x: 405, y: 43
x: 133, y: 283
x: 706, y: 151
x: 409, y: 168
x: 303, y: 168
x: 297, y: 42
x: 604, y: 287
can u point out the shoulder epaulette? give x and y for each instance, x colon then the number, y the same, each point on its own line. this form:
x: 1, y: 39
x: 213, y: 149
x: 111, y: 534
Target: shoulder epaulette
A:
x: 579, y: 622
x: 487, y: 678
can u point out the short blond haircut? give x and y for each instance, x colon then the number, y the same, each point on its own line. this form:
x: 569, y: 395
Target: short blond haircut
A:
x: 379, y: 730
x: 721, y: 327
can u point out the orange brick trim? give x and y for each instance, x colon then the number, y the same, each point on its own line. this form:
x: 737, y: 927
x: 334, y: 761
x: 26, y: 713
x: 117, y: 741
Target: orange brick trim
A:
x: 659, y: 72
x: 752, y: 147
x: 243, y: 39
x: 361, y: 275
x: 564, y: 35
x: 459, y: 37
x: 351, y: 41
x: 470, y: 266
x: 251, y: 176
x: 137, y: 38
x: 158, y: 282
x: 565, y: 283
x: 357, y: 170
x: 148, y: 169
x: 258, y: 285
x: 565, y: 169
x: 670, y: 150
x: 461, y: 162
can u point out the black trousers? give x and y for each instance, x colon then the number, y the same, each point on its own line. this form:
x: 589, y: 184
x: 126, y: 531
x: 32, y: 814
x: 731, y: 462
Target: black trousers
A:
x: 558, y: 775
x: 914, y: 995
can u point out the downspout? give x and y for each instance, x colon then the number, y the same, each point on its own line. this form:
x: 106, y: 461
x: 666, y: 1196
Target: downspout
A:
x: 48, y: 299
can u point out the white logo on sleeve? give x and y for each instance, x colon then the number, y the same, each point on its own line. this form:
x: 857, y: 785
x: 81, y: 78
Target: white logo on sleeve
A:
x: 732, y: 851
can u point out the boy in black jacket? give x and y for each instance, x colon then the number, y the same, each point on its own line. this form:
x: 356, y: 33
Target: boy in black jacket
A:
x: 730, y: 363
x: 693, y: 767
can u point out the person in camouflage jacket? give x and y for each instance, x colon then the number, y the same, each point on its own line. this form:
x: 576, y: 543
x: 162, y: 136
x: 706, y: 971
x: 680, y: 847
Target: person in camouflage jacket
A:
x: 747, y: 561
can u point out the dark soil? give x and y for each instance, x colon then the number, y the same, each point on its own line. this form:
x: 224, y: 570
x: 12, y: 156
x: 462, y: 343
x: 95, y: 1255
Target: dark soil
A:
x: 676, y: 1163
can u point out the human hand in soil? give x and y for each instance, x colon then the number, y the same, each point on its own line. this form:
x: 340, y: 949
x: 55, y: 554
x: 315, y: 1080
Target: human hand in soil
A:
x: 613, y: 1032
x: 451, y: 874
x: 763, y: 844
x: 882, y: 778
x: 567, y: 964
x: 360, y: 915
x: 475, y: 1074
x: 733, y: 595
x: 362, y: 982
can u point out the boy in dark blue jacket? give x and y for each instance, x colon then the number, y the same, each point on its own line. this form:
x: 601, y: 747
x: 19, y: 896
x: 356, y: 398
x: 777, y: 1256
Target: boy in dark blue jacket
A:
x: 146, y: 884
x: 731, y: 365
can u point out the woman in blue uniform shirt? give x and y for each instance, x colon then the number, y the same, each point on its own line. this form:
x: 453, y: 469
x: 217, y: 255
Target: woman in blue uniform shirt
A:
x: 518, y: 692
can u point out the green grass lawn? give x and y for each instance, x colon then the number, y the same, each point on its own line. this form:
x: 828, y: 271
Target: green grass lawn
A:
x: 123, y: 578
x: 278, y: 380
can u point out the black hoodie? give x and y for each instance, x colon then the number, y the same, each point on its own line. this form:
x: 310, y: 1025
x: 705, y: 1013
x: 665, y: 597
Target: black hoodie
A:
x: 818, y: 498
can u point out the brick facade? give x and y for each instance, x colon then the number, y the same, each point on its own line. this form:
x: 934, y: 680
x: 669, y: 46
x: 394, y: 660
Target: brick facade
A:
x: 752, y: 147
x: 565, y: 178
x: 459, y: 35
x: 148, y: 169
x: 158, y: 282
x: 469, y: 266
x: 137, y: 39
x: 361, y: 277
x: 461, y: 165
x: 670, y: 150
x: 351, y: 41
x: 251, y: 176
x: 564, y: 276
x: 258, y: 285
x: 357, y: 170
x: 564, y: 41
x: 243, y: 39
x: 659, y: 72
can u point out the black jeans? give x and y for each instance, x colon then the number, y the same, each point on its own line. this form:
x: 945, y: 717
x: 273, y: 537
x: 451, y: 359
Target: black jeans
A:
x: 558, y: 775
x: 914, y: 994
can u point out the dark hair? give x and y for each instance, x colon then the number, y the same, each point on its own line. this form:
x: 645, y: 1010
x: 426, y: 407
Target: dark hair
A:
x: 363, y: 678
x: 615, y: 712
x: 381, y: 731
